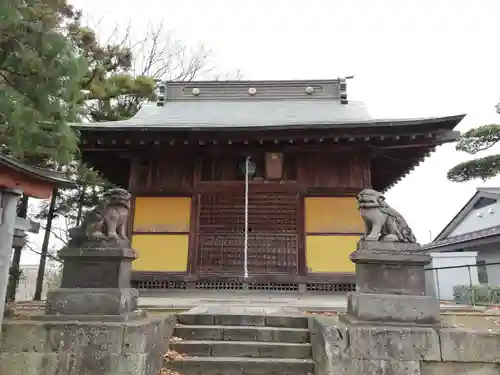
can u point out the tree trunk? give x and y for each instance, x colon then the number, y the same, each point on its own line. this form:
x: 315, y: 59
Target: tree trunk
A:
x: 80, y: 205
x: 45, y: 248
x: 15, y: 267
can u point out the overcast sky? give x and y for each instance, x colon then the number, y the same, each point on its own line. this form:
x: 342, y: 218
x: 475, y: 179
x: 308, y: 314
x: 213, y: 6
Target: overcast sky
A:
x: 411, y: 59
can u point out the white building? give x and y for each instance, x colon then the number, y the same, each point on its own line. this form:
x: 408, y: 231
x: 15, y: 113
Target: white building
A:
x: 475, y: 228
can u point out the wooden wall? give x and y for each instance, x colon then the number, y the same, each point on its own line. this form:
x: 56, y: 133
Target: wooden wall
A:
x: 336, y: 171
x: 168, y: 187
x: 168, y: 173
x: 184, y: 173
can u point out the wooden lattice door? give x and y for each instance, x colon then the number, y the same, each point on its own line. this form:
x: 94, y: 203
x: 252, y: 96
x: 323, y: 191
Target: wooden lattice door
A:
x: 272, y: 235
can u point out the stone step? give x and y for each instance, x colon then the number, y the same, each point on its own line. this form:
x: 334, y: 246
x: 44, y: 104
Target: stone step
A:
x: 243, y: 320
x: 254, y: 349
x: 241, y: 333
x: 241, y: 366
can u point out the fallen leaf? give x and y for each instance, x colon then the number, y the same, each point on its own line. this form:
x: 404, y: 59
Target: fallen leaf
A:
x: 172, y: 355
x: 167, y: 371
x: 176, y: 340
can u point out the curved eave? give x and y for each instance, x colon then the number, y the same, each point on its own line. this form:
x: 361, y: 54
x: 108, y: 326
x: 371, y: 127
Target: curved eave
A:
x: 55, y: 178
x: 425, y: 153
x: 447, y: 122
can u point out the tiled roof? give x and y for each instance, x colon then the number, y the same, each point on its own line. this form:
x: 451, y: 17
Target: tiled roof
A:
x: 261, y: 114
x: 225, y: 105
x: 478, y: 234
x: 244, y: 113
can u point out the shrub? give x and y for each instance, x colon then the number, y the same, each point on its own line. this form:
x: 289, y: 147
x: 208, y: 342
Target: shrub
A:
x: 476, y: 294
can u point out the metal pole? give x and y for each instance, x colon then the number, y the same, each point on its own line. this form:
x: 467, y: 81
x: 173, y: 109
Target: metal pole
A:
x: 245, y: 246
x: 437, y: 286
x: 9, y: 199
x: 472, y: 297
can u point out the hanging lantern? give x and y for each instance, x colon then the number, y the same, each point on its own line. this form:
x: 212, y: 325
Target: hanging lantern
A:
x: 252, y: 167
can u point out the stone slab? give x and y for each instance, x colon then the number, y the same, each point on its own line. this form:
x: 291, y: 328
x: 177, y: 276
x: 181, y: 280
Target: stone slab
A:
x: 242, y: 333
x: 390, y: 278
x: 81, y: 301
x: 389, y: 343
x: 381, y: 367
x: 391, y: 247
x: 242, y: 366
x: 330, y: 344
x: 244, y: 320
x: 55, y: 348
x: 230, y: 315
x: 29, y: 363
x: 392, y: 309
x: 98, y: 267
x: 243, y: 349
x: 134, y: 315
x: 227, y: 309
x: 457, y: 368
x: 382, y: 269
x: 460, y: 345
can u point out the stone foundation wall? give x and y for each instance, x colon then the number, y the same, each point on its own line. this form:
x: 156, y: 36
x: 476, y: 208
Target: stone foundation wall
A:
x: 97, y: 348
x: 389, y: 350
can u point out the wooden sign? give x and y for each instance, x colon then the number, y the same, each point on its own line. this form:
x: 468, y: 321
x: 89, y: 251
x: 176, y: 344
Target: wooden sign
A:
x: 274, y: 166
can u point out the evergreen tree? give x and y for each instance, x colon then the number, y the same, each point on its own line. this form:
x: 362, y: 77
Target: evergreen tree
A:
x: 118, y: 81
x: 473, y: 141
x: 40, y: 75
x: 117, y: 84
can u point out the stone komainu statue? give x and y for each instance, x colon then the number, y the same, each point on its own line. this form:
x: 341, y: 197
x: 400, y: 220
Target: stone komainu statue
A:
x: 382, y: 222
x: 107, y: 221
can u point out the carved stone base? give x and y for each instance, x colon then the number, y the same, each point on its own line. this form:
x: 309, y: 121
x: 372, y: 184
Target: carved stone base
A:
x: 390, y: 309
x: 390, y: 284
x: 90, y: 301
x: 60, y: 347
x: 97, y: 265
x: 382, y: 268
x: 131, y: 316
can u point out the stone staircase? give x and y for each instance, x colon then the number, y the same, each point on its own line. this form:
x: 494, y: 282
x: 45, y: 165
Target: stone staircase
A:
x: 239, y: 344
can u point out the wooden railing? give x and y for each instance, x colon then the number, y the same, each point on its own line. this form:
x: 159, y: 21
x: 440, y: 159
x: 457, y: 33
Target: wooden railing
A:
x: 267, y: 253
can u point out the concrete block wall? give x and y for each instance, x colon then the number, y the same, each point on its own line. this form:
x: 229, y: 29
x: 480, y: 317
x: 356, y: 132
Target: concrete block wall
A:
x: 389, y: 350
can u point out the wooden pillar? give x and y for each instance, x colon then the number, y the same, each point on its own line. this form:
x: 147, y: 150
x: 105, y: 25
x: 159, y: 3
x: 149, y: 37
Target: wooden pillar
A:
x: 132, y: 188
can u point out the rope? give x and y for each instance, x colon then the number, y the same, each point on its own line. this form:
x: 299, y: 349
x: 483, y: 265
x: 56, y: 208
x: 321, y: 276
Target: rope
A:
x: 245, y: 246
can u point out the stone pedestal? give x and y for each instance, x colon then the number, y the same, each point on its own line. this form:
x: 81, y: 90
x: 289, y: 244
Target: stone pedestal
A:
x: 91, y: 324
x: 95, y: 282
x: 390, y: 286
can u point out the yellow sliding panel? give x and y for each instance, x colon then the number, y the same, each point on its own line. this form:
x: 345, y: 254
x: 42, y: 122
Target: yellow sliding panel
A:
x: 162, y: 214
x: 330, y: 253
x: 161, y: 233
x: 333, y: 227
x: 332, y: 215
x: 160, y: 252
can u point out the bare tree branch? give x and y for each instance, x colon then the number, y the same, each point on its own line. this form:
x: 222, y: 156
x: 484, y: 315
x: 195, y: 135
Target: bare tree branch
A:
x: 60, y: 234
x: 159, y: 54
x: 32, y: 249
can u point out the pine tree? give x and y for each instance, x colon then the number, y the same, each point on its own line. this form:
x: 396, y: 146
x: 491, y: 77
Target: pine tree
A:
x: 115, y: 90
x: 40, y: 75
x: 473, y: 141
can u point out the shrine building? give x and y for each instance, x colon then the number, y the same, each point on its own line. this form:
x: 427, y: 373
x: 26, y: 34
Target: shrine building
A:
x: 197, y: 218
